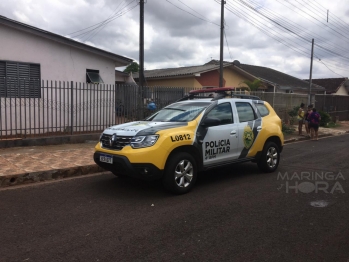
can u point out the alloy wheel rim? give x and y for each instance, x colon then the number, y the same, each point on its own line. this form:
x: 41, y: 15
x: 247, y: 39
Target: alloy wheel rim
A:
x: 184, y: 173
x: 272, y: 157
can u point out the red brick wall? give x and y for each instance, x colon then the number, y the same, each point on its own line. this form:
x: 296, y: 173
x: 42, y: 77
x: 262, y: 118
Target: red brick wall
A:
x: 209, y: 79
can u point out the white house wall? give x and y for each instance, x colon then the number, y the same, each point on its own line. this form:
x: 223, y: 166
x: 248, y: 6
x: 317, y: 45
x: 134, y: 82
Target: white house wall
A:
x: 341, y: 91
x: 57, y: 61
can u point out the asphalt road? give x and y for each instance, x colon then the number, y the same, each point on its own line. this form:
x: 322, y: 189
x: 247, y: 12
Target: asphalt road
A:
x: 232, y: 214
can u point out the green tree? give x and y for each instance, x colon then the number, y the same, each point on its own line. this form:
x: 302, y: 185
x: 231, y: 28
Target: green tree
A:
x: 253, y: 86
x: 133, y: 67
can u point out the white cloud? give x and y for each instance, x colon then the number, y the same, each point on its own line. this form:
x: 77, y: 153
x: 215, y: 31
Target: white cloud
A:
x: 173, y: 37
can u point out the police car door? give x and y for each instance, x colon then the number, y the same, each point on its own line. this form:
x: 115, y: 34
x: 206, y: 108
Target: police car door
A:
x: 220, y: 137
x: 250, y: 123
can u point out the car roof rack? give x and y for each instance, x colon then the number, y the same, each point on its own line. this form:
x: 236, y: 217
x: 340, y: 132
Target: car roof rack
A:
x: 222, y: 92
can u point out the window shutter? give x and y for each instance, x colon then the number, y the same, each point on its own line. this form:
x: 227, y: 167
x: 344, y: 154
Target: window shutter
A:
x: 35, y: 90
x: 19, y: 80
x: 2, y: 79
x: 23, y: 81
x: 11, y: 79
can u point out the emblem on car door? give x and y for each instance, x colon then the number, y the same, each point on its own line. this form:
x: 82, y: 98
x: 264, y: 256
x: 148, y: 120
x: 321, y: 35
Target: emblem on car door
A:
x: 248, y: 137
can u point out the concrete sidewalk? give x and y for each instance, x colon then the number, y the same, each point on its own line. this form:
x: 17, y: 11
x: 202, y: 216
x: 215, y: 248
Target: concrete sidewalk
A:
x: 23, y: 165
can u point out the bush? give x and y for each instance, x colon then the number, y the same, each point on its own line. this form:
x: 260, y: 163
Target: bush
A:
x: 325, y: 118
x: 286, y: 129
x: 293, y: 114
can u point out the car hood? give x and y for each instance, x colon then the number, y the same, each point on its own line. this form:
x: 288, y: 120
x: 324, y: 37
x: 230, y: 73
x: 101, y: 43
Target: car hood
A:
x: 141, y: 128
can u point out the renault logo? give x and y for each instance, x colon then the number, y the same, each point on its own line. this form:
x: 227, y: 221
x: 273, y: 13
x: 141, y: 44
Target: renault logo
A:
x: 112, y: 140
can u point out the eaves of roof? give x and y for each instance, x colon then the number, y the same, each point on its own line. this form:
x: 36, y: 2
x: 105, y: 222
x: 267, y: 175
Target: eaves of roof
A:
x: 122, y: 73
x: 279, y: 79
x: 121, y: 60
x: 331, y: 85
x: 179, y: 72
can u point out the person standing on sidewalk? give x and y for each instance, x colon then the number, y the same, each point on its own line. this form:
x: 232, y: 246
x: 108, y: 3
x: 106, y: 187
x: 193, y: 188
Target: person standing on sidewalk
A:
x: 306, y: 119
x: 314, y: 122
x: 300, y: 118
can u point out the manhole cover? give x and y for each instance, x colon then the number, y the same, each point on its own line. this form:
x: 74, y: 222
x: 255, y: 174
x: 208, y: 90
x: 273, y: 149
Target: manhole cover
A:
x: 319, y: 203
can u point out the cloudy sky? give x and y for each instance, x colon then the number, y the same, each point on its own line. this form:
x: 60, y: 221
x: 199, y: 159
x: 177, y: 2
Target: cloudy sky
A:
x: 272, y: 33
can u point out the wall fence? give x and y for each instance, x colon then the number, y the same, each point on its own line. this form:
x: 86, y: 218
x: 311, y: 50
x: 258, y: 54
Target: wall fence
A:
x: 50, y: 108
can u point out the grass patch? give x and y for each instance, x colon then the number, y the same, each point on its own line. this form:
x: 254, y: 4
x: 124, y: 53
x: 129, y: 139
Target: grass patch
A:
x: 332, y: 125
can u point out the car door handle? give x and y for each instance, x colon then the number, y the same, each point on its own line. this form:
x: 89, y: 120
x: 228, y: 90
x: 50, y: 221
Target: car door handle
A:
x: 259, y: 128
x: 233, y: 132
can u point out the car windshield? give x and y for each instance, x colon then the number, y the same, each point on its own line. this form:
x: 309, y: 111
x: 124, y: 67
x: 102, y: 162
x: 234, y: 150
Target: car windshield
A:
x: 179, y: 112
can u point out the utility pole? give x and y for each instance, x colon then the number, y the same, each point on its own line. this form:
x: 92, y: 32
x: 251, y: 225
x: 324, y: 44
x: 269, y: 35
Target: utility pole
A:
x: 311, y: 71
x: 141, y: 43
x: 221, y: 46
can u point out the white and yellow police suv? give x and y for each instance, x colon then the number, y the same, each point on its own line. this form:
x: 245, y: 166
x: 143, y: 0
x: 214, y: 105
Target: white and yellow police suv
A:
x: 193, y: 134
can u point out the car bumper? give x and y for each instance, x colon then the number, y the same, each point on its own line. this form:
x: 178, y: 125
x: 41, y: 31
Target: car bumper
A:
x: 121, y: 165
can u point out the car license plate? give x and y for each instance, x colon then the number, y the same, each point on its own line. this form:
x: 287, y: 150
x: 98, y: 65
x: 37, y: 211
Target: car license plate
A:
x: 106, y: 159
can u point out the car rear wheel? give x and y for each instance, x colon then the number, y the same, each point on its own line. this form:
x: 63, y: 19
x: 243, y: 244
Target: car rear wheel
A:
x: 180, y: 173
x: 270, y: 158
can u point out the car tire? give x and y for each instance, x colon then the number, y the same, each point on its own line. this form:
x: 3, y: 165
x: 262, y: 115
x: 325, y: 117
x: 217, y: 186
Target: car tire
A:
x: 270, y: 158
x: 180, y: 173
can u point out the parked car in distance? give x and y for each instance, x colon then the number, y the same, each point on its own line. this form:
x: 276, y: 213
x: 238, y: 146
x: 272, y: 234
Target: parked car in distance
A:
x: 194, y: 134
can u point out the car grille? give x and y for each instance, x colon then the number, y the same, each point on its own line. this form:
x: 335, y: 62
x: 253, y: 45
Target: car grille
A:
x: 118, y: 144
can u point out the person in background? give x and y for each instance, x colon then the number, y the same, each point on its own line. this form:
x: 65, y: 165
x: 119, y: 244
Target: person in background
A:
x: 306, y: 119
x: 314, y: 122
x: 151, y: 106
x: 300, y: 118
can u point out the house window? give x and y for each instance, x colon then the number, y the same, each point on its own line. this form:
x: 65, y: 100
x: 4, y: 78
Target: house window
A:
x: 20, y: 80
x: 92, y: 76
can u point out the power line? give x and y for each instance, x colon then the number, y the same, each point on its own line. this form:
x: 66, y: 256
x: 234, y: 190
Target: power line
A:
x: 110, y: 16
x: 102, y: 26
x: 270, y: 31
x: 228, y: 46
x: 296, y: 28
x: 105, y: 22
x: 191, y: 13
x: 320, y: 61
x: 337, y: 20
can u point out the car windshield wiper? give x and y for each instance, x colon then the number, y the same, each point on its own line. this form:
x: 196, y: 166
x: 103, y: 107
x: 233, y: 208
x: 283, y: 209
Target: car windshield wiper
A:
x: 177, y: 109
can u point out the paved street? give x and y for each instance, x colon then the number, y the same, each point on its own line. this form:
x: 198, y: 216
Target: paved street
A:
x: 232, y: 214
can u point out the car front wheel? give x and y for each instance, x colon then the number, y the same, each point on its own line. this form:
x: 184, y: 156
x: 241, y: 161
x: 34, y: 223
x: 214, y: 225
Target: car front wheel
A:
x: 180, y: 173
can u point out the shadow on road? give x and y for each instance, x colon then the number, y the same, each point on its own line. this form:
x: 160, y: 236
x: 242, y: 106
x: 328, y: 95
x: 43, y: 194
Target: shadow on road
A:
x: 126, y: 187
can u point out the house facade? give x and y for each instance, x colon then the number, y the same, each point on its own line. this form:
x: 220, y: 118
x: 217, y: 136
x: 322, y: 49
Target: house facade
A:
x: 27, y: 51
x: 334, y: 86
x: 202, y: 76
x: 234, y: 75
x: 79, y: 87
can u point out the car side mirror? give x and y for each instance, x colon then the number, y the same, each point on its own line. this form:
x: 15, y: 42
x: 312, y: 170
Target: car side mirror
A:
x: 207, y: 122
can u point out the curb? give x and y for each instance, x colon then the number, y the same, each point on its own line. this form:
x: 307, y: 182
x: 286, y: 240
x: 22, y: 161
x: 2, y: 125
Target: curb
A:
x: 53, y: 140
x: 305, y: 138
x: 47, y: 175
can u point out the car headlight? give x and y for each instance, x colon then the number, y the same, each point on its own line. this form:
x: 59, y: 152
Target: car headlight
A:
x: 143, y: 141
x: 100, y: 137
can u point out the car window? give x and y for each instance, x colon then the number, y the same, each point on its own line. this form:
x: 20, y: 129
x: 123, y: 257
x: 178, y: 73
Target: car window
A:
x: 245, y: 111
x: 222, y: 112
x: 263, y: 110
